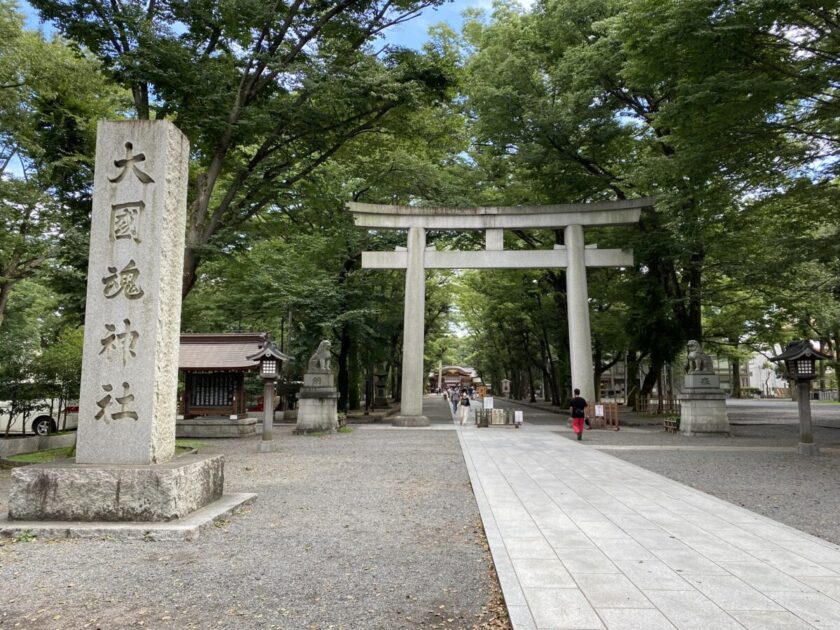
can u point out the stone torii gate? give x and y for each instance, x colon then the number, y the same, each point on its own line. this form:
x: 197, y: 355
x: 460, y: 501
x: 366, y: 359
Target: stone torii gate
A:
x: 574, y: 256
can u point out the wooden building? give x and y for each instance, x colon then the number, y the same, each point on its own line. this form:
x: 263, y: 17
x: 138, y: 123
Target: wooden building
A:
x: 214, y: 367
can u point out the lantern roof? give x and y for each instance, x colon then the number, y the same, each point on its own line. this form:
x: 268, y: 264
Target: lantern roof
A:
x: 801, y: 349
x: 269, y: 351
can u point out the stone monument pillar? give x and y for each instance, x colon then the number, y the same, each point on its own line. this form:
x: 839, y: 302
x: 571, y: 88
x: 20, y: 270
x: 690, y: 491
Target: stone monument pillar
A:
x: 128, y: 397
x: 411, y: 399
x: 318, y: 398
x: 125, y: 469
x: 702, y: 402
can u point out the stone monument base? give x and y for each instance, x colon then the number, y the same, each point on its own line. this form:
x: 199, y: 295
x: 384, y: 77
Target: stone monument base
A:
x: 317, y: 411
x: 188, y: 528
x: 702, y: 405
x: 410, y: 421
x: 216, y: 427
x: 116, y: 492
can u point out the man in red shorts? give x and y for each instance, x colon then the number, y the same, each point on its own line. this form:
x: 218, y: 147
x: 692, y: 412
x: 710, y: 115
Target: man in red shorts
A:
x: 577, y: 409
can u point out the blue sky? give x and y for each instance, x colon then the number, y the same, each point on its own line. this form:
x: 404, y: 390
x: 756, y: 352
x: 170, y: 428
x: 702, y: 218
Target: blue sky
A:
x: 412, y: 34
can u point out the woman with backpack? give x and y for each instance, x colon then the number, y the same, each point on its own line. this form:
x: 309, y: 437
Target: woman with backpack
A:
x: 464, y: 410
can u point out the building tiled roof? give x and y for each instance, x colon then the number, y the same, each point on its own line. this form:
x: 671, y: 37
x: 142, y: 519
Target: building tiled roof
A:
x: 229, y: 351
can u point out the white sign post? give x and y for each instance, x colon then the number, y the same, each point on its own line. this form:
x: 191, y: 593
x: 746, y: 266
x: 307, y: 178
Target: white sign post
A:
x: 488, y: 402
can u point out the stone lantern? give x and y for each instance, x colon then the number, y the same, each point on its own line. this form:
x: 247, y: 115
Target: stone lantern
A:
x: 800, y: 362
x: 270, y: 360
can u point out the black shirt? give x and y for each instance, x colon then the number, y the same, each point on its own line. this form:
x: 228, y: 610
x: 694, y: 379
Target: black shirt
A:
x: 578, y: 404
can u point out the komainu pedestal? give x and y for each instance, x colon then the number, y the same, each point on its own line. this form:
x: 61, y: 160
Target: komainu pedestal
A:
x: 702, y: 403
x: 318, y: 399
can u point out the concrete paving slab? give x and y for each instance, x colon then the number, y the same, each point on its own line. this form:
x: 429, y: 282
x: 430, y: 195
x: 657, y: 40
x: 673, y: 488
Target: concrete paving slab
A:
x: 730, y: 593
x: 820, y: 610
x: 754, y: 620
x: 634, y: 619
x: 542, y: 573
x: 611, y: 591
x: 690, y: 610
x: 562, y: 609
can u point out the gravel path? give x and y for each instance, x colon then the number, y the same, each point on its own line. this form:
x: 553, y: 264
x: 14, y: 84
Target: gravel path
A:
x: 796, y: 490
x: 373, y: 529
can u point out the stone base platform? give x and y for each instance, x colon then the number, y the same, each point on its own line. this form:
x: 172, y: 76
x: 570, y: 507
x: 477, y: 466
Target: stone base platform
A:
x: 215, y: 427
x: 703, y: 412
x: 410, y: 421
x: 188, y: 528
x: 317, y: 410
x: 116, y: 492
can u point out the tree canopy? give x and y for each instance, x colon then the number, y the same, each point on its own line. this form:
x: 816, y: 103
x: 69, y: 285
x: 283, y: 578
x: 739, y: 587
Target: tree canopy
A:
x: 725, y: 111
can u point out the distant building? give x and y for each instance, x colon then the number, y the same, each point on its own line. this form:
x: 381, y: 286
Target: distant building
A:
x: 454, y: 376
x: 761, y: 375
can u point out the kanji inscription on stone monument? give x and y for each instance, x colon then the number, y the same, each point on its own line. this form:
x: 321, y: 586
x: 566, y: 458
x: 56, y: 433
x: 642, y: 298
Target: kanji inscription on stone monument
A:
x: 127, y: 403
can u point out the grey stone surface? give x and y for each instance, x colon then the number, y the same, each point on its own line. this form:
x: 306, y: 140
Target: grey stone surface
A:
x: 360, y: 531
x: 411, y: 400
x: 317, y: 413
x: 117, y: 492
x: 577, y: 307
x: 318, y: 398
x: 216, y: 427
x: 695, y: 560
x: 703, y: 413
x: 495, y: 259
x: 510, y: 218
x: 702, y: 383
x: 127, y: 403
x: 30, y: 444
x: 187, y: 528
x: 410, y: 421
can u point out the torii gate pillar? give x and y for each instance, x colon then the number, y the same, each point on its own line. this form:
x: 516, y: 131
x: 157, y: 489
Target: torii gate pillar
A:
x: 411, y: 397
x: 577, y: 305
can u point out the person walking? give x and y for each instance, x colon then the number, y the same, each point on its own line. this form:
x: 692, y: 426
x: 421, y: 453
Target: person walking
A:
x: 464, y: 412
x: 577, y: 409
x: 453, y: 400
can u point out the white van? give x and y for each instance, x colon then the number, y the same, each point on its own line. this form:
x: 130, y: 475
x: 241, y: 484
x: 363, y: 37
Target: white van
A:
x: 45, y: 417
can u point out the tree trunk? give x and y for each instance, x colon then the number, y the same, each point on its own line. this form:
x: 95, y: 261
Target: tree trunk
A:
x: 659, y: 392
x: 531, y: 398
x: 353, y: 397
x: 5, y: 290
x: 736, y: 377
x: 343, y: 372
x: 651, y: 376
x: 190, y: 266
x: 631, y: 394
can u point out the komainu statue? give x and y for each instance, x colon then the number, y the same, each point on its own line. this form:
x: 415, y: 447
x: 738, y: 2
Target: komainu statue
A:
x: 698, y: 361
x: 320, y: 361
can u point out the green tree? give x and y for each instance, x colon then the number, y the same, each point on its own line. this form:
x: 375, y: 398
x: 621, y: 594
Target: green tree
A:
x: 714, y: 107
x: 266, y: 92
x: 50, y: 99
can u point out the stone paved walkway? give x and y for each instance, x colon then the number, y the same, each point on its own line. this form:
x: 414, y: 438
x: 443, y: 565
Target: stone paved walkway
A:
x: 584, y: 540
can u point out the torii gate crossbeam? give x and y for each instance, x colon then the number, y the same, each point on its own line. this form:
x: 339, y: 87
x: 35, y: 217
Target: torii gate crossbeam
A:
x: 574, y: 256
